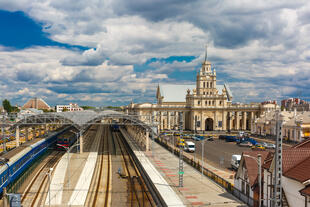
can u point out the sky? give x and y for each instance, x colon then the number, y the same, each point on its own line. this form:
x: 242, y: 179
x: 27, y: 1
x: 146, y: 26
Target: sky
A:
x: 112, y: 52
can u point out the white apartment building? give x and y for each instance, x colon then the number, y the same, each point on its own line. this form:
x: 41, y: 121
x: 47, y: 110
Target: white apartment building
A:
x: 70, y: 107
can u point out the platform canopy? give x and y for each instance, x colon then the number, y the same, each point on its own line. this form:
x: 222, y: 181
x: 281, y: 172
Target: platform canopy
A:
x: 79, y: 119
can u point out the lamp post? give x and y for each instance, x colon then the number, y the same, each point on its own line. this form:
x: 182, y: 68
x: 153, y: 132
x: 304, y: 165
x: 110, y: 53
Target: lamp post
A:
x: 68, y: 149
x: 5, y: 201
x: 259, y: 163
x: 202, y: 154
x: 49, y: 186
x: 77, y: 137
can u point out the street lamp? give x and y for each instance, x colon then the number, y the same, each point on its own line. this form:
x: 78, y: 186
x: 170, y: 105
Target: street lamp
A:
x: 259, y: 163
x: 202, y: 153
x: 49, y: 186
x: 5, y: 161
x: 68, y: 149
x: 77, y: 136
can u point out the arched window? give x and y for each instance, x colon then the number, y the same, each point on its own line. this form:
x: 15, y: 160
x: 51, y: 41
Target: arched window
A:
x: 204, y: 84
x: 211, y: 85
x: 207, y: 84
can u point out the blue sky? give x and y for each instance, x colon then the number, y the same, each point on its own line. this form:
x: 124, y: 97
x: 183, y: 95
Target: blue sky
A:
x: 112, y: 52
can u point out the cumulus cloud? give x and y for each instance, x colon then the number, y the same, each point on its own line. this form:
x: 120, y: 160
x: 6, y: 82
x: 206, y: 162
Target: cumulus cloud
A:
x: 260, y: 47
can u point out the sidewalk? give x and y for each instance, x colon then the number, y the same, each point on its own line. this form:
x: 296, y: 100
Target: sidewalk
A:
x: 198, y: 190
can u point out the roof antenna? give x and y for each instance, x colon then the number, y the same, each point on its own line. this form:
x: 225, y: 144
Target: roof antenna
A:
x: 206, y: 54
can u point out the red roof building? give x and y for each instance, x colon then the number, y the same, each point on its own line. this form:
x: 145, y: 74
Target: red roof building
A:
x: 295, y: 175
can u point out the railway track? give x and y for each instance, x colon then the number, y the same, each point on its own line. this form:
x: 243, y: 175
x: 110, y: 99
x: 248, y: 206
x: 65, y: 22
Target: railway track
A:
x: 138, y: 192
x: 35, y: 191
x: 101, y: 183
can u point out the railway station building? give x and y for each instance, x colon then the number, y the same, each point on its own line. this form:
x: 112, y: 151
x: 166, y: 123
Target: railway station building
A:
x: 206, y: 106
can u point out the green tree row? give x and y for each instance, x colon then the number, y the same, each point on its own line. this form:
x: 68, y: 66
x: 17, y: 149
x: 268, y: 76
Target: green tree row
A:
x: 8, y: 107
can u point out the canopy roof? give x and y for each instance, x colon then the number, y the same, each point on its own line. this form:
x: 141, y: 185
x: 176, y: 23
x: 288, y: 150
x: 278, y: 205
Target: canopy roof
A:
x: 79, y: 119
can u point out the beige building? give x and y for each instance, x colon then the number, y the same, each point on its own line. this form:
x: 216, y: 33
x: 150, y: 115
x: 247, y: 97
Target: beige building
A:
x: 206, y: 106
x: 295, y: 125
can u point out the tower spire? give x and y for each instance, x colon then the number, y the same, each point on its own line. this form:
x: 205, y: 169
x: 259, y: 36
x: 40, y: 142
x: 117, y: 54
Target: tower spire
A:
x: 206, y: 53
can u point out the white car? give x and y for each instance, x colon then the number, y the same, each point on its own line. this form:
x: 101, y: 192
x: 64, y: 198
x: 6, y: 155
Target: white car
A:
x: 189, y: 146
x: 235, y: 161
x: 269, y: 146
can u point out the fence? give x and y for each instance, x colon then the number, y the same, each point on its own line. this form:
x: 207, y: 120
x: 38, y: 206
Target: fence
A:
x: 217, y: 179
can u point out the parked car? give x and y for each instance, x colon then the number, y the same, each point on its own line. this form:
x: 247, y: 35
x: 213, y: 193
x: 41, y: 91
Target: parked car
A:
x: 198, y: 138
x: 269, y: 146
x: 222, y: 136
x: 210, y: 138
x: 258, y: 146
x: 195, y: 138
x: 235, y: 161
x: 231, y: 138
x: 189, y: 146
x: 245, y: 144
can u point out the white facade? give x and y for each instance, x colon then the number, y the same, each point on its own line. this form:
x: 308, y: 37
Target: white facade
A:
x: 290, y: 187
x: 70, y: 107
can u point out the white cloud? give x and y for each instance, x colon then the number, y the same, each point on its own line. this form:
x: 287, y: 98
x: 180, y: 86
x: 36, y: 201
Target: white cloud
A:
x: 255, y: 42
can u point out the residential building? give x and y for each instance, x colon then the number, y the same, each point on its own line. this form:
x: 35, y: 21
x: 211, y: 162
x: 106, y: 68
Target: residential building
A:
x: 295, y: 103
x: 247, y: 174
x: 295, y: 176
x: 70, y: 107
x: 295, y: 124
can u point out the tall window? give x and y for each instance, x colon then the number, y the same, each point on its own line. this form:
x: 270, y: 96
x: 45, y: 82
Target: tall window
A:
x: 207, y: 84
x: 211, y: 85
x: 204, y: 84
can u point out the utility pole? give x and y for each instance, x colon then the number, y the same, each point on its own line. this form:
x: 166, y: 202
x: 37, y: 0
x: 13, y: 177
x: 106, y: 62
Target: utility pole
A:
x: 202, y: 154
x: 181, y: 170
x: 260, y: 179
x: 49, y: 186
x: 278, y: 164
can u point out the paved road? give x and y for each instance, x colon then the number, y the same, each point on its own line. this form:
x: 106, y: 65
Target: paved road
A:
x: 217, y: 151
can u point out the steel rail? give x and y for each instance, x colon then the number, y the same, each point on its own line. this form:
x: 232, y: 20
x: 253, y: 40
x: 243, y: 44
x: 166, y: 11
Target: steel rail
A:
x: 158, y: 199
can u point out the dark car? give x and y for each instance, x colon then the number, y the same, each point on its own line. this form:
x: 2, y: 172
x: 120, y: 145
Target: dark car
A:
x: 222, y: 137
x: 209, y: 138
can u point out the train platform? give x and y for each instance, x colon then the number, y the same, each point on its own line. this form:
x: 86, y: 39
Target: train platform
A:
x: 70, y: 184
x: 162, y: 166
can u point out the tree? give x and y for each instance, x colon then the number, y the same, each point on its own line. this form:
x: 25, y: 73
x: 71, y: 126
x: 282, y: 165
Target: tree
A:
x: 64, y: 110
x: 7, y: 106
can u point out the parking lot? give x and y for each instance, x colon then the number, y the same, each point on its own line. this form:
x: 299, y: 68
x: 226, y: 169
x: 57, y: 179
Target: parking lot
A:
x: 218, y: 152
